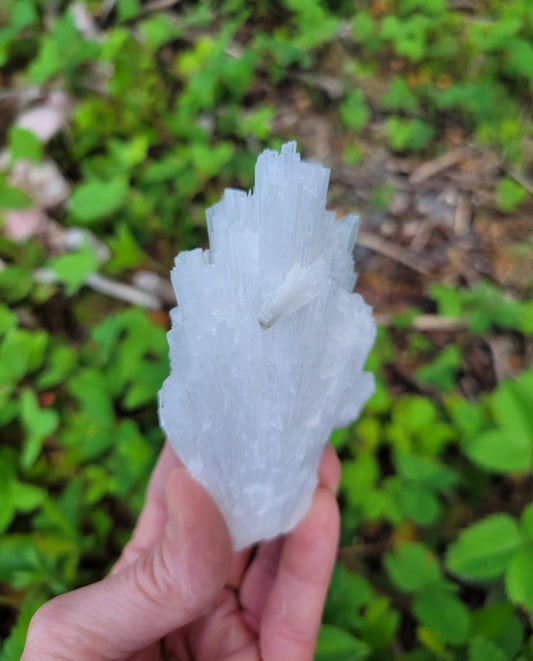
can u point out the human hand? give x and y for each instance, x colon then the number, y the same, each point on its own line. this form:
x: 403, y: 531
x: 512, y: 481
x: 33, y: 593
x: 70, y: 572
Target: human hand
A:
x: 178, y: 592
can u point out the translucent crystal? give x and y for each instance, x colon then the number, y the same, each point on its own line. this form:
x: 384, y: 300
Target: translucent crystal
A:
x: 267, y: 346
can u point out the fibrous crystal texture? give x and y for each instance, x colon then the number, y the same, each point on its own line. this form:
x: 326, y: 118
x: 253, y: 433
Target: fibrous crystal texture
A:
x: 267, y: 347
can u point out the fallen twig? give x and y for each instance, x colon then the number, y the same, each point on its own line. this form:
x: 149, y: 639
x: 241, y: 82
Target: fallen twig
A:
x: 463, y: 214
x: 157, y: 5
x: 107, y: 287
x: 425, y: 322
x: 122, y: 291
x: 393, y: 251
x: 431, y: 168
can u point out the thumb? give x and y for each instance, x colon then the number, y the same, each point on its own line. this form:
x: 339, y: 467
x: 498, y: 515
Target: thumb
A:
x: 165, y: 588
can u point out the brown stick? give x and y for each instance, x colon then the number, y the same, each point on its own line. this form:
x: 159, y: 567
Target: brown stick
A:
x: 425, y: 322
x: 431, y: 168
x: 397, y: 253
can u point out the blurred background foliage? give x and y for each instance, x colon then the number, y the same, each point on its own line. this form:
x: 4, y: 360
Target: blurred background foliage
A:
x: 120, y: 122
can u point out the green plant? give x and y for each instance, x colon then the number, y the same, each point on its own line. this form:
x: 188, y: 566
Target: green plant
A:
x: 484, y: 306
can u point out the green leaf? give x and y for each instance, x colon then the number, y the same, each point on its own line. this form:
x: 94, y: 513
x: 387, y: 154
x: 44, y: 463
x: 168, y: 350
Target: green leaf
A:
x: 7, y: 513
x: 61, y: 362
x: 38, y: 423
x: 466, y: 417
x: 483, y: 550
x: 408, y: 134
x: 106, y: 336
x: 481, y: 649
x: 358, y: 477
x: 381, y: 353
x: 97, y: 199
x: 519, y: 578
x: 380, y: 623
x: 8, y: 405
x: 352, y: 154
x: 363, y: 26
x: 13, y: 198
x: 510, y: 640
x: 144, y: 388
x: 24, y: 144
x: 384, y: 503
x: 425, y: 470
x: 23, y: 14
x: 62, y: 50
x: 335, y: 644
x: 62, y: 516
x: 47, y: 63
x: 128, y: 153
x: 348, y: 591
x: 21, y: 353
x: 91, y: 389
x: 7, y: 479
x: 125, y: 250
x: 128, y: 9
x: 15, y: 283
x: 167, y: 168
x: 413, y: 412
x: 380, y: 197
x: 354, y: 111
x: 487, y: 37
x: 131, y: 463
x: 518, y: 55
x: 491, y: 620
x: 257, y: 122
x: 510, y: 194
x: 442, y: 372
x: 8, y: 319
x: 412, y: 567
x: 526, y: 523
x: 419, y: 503
x: 32, y: 561
x: 448, y: 300
x: 73, y: 268
x: 159, y: 29
x: 500, y: 451
x: 443, y: 612
x: 433, y: 440
x: 511, y: 406
x: 400, y: 97
x: 26, y: 497
x: 368, y: 429
x: 498, y: 622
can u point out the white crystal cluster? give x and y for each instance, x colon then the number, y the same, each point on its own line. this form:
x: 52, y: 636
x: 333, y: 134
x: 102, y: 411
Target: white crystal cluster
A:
x: 267, y: 346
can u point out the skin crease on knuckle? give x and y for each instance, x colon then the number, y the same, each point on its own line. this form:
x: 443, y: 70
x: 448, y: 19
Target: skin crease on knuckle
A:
x: 152, y: 577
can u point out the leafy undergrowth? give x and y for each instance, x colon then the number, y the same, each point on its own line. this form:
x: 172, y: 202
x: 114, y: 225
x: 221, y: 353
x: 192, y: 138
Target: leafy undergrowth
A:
x: 141, y: 116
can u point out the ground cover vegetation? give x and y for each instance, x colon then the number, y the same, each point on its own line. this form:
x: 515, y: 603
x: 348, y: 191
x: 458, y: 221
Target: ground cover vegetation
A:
x: 120, y: 121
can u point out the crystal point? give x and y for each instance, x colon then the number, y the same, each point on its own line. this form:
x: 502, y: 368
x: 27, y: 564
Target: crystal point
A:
x: 267, y: 347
